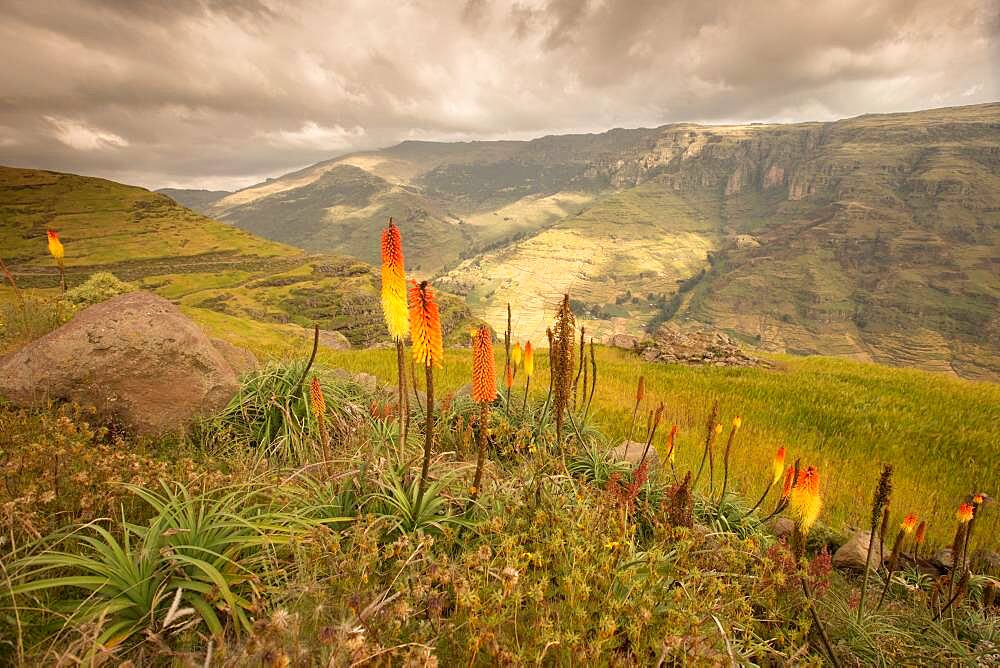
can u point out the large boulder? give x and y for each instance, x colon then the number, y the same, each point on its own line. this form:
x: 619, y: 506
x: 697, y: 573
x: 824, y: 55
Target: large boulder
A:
x: 136, y: 358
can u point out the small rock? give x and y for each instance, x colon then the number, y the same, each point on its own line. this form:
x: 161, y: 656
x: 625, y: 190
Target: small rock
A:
x: 626, y: 341
x: 853, y: 554
x: 331, y: 338
x: 782, y: 527
x: 631, y: 452
x: 942, y: 559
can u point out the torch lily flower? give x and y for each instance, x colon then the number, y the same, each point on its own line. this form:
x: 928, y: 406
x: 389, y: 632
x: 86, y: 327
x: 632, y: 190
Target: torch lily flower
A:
x: 425, y: 325
x: 484, y: 382
x: 778, y: 466
x: 529, y: 360
x: 805, y: 501
x: 394, y: 307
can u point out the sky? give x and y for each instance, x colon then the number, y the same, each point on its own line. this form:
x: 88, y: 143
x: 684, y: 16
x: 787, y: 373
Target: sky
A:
x: 220, y: 95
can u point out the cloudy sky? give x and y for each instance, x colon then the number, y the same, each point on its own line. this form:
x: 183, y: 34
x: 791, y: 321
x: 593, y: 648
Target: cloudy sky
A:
x: 196, y: 93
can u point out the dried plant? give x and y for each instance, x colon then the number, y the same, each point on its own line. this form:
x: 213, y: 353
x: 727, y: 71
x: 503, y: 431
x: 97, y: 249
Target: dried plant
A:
x: 640, y: 394
x: 710, y: 434
x: 563, y: 338
x: 737, y: 423
x: 883, y: 491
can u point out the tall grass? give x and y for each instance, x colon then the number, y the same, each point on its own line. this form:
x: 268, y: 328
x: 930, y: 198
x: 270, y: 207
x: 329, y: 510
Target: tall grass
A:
x: 940, y: 433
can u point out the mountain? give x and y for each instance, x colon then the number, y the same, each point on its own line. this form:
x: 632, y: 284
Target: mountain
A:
x: 873, y: 237
x: 197, y: 200
x: 211, y: 269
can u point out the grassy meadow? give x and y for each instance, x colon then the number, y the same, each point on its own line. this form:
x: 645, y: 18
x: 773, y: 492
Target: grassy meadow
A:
x: 941, y: 434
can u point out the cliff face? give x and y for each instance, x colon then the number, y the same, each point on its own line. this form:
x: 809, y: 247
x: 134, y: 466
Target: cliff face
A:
x: 878, y: 237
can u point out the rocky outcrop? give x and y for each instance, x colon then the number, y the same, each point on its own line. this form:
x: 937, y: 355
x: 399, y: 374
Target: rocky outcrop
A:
x: 695, y: 347
x: 136, y: 358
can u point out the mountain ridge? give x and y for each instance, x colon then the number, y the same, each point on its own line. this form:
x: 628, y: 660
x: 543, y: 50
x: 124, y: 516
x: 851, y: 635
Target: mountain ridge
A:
x: 873, y: 237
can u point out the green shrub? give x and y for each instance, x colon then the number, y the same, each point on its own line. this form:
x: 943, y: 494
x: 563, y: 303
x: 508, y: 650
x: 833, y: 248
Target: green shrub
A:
x: 100, y: 287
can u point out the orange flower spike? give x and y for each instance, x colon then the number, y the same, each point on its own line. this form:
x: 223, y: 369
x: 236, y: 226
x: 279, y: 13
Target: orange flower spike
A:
x: 484, y: 381
x: 964, y: 513
x: 909, y: 523
x: 318, y: 401
x: 672, y: 443
x: 425, y: 325
x: 804, y: 500
x: 921, y: 533
x: 508, y: 377
x: 789, y: 479
x: 394, y: 306
x: 529, y: 360
x: 55, y: 246
x: 778, y: 466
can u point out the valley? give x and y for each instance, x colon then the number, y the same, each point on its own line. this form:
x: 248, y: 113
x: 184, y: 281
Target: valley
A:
x: 873, y: 238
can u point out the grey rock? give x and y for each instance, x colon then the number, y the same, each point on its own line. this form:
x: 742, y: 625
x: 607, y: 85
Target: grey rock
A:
x: 634, y: 454
x: 853, y: 554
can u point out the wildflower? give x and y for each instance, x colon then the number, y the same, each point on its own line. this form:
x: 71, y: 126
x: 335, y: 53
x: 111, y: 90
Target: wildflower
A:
x: 55, y: 246
x: 317, y: 400
x: 515, y: 355
x: 964, y: 513
x: 786, y: 490
x: 718, y: 429
x: 425, y: 325
x: 737, y: 422
x: 978, y: 499
x: 529, y: 360
x: 484, y: 384
x: 778, y: 466
x: 57, y: 252
x: 508, y: 377
x: 394, y: 307
x: 918, y: 538
x: 671, y: 441
x: 805, y: 501
x: 909, y: 523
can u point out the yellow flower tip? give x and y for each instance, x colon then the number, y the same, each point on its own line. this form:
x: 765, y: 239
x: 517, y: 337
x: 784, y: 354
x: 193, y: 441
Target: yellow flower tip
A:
x: 425, y: 325
x: 965, y: 512
x: 515, y: 355
x: 778, y: 466
x: 909, y: 523
x: 978, y: 498
x: 529, y: 360
x: 55, y: 246
x: 484, y: 382
x: 718, y: 429
x: 737, y: 422
x: 394, y: 306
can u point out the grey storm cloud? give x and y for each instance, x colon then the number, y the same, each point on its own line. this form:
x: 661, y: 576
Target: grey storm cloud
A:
x: 221, y: 94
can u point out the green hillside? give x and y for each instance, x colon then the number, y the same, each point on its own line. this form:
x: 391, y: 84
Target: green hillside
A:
x: 873, y: 238
x: 207, y: 267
